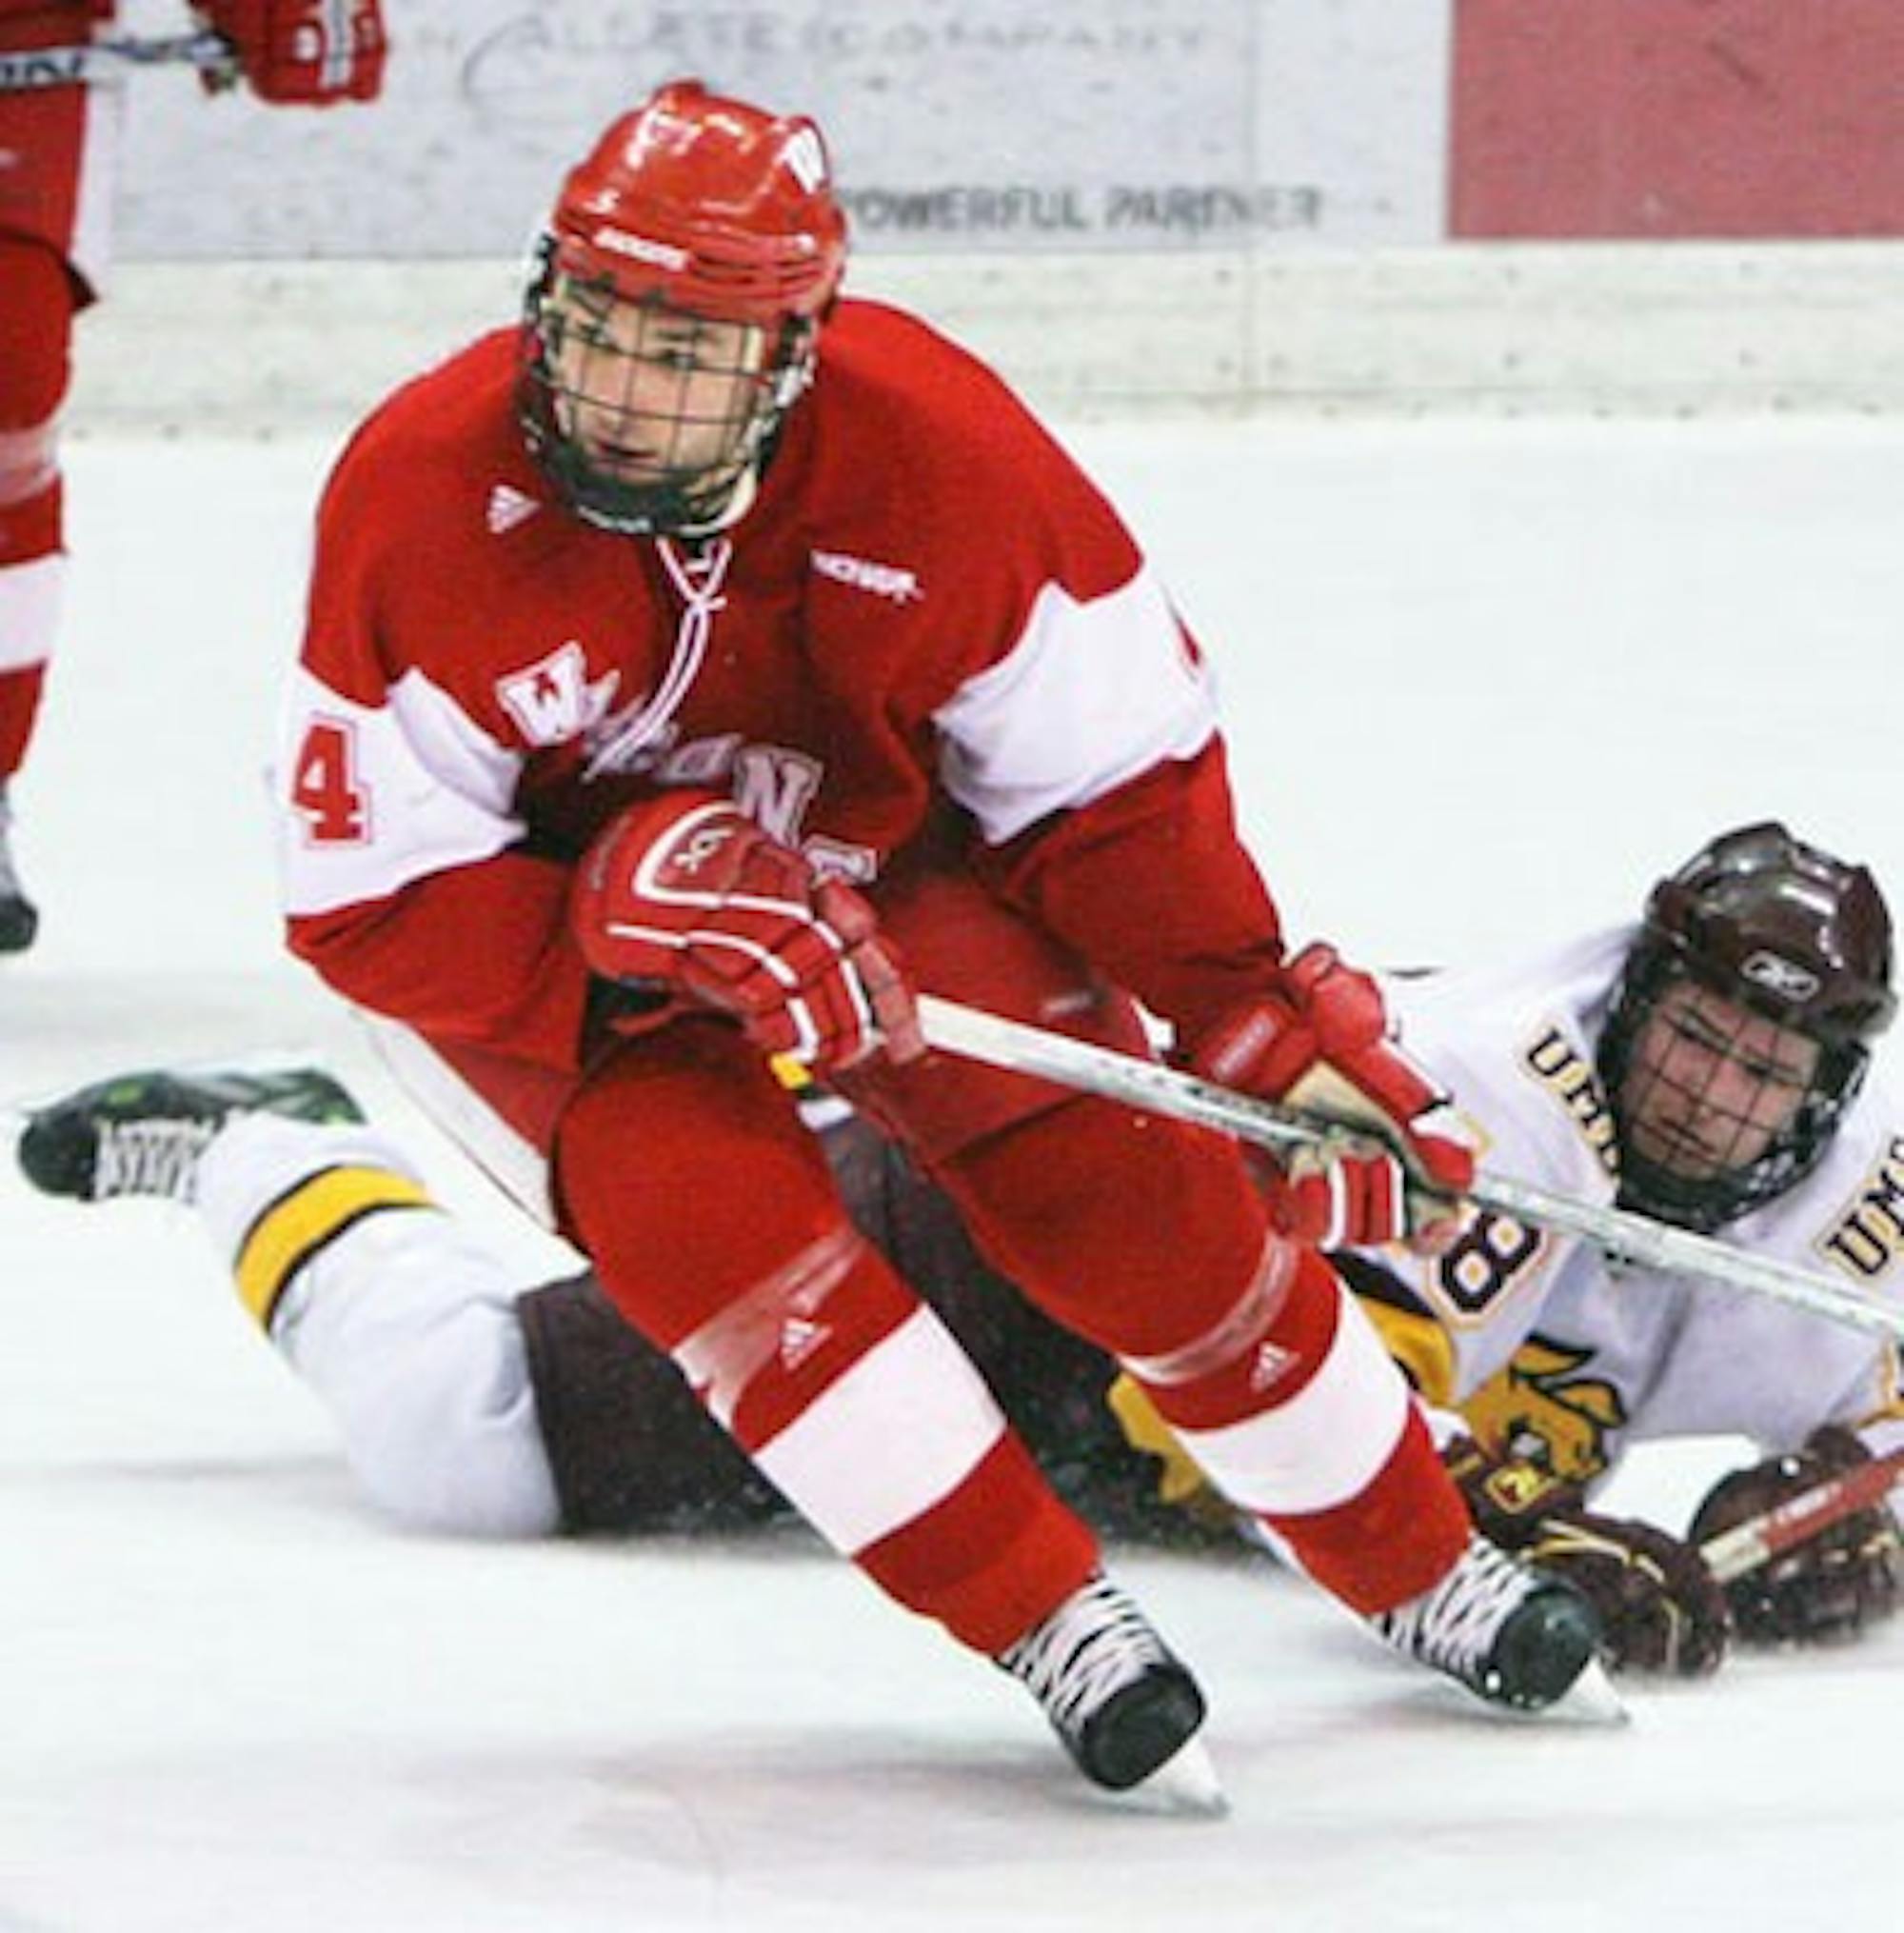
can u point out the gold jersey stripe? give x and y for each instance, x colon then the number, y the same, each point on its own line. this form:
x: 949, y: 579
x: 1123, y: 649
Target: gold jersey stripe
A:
x: 296, y: 1226
x: 1420, y: 1344
x: 1180, y: 1481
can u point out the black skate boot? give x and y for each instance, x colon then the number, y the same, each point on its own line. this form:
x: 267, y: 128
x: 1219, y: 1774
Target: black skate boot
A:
x: 142, y: 1134
x: 19, y: 917
x: 1119, y: 1700
x: 1510, y: 1634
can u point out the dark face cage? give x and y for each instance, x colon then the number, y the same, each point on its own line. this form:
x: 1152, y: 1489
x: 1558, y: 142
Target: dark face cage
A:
x: 1777, y: 930
x: 1711, y: 1173
x: 649, y: 420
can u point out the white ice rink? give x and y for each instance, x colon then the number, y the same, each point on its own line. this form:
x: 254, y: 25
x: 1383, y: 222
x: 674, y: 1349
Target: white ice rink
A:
x: 1482, y: 684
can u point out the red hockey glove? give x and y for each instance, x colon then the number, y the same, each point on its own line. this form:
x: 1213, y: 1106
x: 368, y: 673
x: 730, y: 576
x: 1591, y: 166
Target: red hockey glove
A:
x: 1324, y: 1040
x: 1833, y: 1585
x: 684, y: 892
x: 1661, y: 1609
x: 304, y: 52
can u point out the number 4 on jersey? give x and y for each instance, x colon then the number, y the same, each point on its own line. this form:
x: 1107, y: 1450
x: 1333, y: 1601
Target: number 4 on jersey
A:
x: 325, y: 787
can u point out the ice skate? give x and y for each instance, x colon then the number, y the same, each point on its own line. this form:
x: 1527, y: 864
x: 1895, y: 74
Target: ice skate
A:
x: 19, y: 917
x: 1122, y: 1706
x: 1511, y: 1635
x: 142, y: 1134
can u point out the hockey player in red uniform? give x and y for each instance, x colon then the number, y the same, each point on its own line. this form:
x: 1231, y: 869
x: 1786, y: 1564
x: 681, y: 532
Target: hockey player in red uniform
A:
x: 55, y: 147
x: 1716, y: 1059
x: 692, y: 672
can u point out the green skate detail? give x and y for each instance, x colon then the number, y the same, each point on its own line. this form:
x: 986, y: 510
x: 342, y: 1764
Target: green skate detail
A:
x: 142, y: 1134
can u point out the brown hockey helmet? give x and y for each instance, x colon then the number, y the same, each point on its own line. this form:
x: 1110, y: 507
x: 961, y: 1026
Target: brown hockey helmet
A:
x: 1784, y: 930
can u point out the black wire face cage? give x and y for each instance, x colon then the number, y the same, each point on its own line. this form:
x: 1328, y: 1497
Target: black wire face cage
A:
x: 646, y: 418
x: 1721, y: 1190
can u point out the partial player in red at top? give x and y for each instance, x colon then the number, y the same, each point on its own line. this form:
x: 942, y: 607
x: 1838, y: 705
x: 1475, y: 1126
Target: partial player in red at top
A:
x: 56, y: 130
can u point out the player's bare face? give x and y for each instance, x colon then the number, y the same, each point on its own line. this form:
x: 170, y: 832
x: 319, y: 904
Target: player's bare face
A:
x: 1711, y: 1085
x: 648, y: 393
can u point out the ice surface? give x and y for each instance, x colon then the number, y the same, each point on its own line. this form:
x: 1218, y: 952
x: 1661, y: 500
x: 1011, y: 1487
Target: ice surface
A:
x: 1482, y: 684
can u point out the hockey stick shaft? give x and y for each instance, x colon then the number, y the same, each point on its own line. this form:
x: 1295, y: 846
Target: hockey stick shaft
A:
x: 92, y: 62
x: 1616, y: 1232
x: 1733, y: 1553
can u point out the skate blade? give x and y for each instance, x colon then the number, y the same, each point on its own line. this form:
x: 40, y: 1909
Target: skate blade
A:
x: 1186, y: 1786
x: 1590, y: 1700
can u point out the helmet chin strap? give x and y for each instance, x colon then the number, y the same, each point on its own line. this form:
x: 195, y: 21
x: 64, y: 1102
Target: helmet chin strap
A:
x: 740, y: 501
x: 788, y: 384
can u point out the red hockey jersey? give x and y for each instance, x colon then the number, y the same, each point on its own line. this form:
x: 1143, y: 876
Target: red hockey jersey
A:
x: 928, y: 604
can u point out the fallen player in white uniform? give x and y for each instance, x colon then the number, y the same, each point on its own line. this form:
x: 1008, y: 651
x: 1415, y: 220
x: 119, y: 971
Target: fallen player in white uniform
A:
x: 1711, y: 1069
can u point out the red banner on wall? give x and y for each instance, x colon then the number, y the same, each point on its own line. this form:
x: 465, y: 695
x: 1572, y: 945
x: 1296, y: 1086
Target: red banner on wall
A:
x: 1656, y: 118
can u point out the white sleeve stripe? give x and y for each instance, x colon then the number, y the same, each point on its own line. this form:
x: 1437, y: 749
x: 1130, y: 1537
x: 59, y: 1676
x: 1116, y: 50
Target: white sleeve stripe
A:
x: 1091, y: 694
x: 435, y: 792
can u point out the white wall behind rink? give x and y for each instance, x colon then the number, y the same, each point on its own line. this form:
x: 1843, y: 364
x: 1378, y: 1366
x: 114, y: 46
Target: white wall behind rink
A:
x: 1684, y: 328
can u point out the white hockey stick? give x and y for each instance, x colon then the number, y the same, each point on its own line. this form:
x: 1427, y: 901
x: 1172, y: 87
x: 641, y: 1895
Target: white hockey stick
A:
x: 92, y: 62
x: 1759, y: 1539
x: 1616, y: 1232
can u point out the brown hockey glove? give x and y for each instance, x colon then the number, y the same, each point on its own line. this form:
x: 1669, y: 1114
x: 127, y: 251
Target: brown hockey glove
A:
x: 1827, y: 1588
x: 1661, y: 1609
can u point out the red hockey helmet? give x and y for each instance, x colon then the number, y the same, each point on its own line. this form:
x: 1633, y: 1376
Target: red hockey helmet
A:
x: 718, y: 207
x: 1782, y: 930
x: 700, y: 209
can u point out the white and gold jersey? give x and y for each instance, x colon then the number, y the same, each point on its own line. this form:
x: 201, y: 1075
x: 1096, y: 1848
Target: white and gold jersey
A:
x: 1537, y: 1339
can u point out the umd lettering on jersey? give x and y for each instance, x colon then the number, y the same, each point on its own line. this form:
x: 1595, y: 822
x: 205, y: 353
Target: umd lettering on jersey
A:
x: 882, y: 580
x: 1569, y: 1076
x: 1869, y: 1237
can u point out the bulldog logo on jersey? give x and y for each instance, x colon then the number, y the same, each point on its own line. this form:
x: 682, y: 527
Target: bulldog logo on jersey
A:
x: 1537, y: 1407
